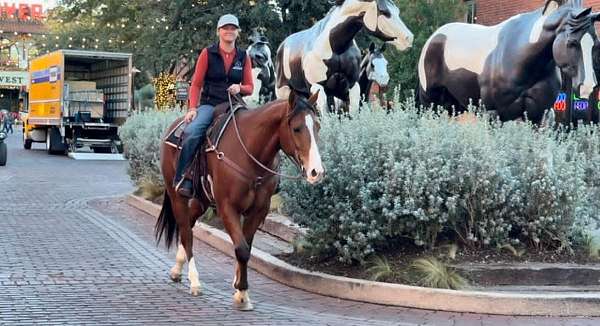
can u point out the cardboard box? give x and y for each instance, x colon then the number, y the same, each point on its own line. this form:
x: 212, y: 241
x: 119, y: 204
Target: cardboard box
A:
x: 75, y: 86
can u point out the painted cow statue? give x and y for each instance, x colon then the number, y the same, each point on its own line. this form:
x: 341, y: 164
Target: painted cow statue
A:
x: 516, y: 68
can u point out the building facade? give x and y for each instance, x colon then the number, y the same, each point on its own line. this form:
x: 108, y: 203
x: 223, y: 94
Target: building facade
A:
x: 20, y: 20
x: 491, y: 12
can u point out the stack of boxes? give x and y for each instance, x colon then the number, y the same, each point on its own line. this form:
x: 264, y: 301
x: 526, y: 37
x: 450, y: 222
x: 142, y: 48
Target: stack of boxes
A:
x: 82, y: 98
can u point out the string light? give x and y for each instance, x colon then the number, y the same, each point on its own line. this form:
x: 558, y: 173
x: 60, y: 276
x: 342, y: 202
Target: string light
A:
x: 164, y: 85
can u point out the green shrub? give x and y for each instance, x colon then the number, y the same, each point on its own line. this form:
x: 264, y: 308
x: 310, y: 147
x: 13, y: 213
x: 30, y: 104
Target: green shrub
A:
x: 405, y: 175
x: 141, y: 136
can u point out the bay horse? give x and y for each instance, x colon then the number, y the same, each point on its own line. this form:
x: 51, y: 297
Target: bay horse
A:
x: 374, y: 77
x: 243, y: 181
x: 325, y: 58
x: 515, y: 68
x: 263, y: 69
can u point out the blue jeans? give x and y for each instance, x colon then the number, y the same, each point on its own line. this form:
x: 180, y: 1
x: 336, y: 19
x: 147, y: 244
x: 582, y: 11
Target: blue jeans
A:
x: 193, y: 136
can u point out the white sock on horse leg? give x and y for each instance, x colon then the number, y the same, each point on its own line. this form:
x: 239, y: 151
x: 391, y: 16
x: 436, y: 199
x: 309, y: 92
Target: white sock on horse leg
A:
x: 193, y: 277
x: 179, y: 261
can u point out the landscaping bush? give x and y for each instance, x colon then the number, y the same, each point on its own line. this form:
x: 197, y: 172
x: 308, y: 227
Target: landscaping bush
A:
x: 424, y: 177
x: 141, y: 136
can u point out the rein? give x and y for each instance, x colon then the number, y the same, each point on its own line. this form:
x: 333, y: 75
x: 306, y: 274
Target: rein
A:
x: 257, y: 180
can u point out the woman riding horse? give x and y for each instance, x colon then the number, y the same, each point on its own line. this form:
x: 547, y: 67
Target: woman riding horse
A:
x: 221, y: 68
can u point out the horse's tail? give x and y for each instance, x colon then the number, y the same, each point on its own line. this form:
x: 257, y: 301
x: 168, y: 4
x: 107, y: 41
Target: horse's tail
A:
x: 166, y: 222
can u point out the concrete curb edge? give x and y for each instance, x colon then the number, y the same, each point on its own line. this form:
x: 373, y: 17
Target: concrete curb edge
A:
x: 571, y: 304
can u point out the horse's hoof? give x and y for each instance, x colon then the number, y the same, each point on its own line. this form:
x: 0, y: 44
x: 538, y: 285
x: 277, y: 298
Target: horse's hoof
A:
x: 241, y: 301
x: 175, y: 277
x: 195, y: 290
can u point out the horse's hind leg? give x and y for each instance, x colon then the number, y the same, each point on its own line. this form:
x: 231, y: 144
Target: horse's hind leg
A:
x: 179, y: 261
x: 185, y: 224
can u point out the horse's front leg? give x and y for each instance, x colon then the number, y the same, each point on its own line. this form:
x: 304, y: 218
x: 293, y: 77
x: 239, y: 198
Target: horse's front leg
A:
x: 354, y: 98
x: 232, y: 223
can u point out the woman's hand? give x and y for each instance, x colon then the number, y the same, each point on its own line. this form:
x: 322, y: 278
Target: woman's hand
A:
x: 234, y: 89
x: 190, y: 116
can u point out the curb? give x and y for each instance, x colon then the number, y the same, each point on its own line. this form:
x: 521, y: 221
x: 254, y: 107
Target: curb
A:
x: 564, y: 304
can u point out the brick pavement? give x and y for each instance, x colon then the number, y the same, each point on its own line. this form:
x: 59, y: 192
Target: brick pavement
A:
x: 68, y: 259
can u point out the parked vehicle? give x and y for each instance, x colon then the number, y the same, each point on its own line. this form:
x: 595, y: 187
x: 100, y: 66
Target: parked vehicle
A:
x: 3, y: 149
x: 78, y: 98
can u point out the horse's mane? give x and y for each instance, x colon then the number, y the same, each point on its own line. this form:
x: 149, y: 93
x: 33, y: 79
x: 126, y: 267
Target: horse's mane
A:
x: 576, y: 24
x: 301, y: 105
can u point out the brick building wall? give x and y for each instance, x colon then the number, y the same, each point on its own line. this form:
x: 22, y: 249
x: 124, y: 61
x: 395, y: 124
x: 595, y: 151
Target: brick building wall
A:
x: 491, y: 12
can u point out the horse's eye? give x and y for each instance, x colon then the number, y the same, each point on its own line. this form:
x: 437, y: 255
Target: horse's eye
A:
x: 297, y: 129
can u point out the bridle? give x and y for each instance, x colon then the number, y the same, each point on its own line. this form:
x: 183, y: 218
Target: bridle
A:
x: 256, y: 180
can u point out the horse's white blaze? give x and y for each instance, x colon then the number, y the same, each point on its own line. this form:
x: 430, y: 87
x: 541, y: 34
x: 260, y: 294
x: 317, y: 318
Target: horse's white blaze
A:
x: 193, y: 274
x: 379, y: 72
x: 587, y: 43
x: 395, y: 27
x: 314, y: 157
x: 469, y: 45
x: 287, y: 71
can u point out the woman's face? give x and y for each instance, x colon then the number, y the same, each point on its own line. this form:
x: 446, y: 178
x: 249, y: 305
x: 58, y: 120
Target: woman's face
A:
x: 228, y: 33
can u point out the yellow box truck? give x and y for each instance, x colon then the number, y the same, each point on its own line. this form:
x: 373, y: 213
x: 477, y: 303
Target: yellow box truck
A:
x: 78, y: 99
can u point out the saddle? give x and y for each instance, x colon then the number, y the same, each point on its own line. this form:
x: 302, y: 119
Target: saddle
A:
x: 198, y: 169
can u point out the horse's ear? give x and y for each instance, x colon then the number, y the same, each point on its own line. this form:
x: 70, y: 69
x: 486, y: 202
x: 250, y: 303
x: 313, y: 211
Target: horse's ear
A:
x: 313, y: 98
x: 292, y: 99
x: 383, y: 46
x: 551, y: 6
x: 372, y: 47
x: 582, y: 12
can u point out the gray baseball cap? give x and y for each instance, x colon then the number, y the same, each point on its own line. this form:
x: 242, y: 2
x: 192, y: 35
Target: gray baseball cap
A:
x: 228, y: 20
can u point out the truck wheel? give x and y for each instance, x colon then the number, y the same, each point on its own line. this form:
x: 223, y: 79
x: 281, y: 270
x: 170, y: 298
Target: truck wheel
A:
x: 3, y: 154
x: 26, y: 142
x: 54, y: 143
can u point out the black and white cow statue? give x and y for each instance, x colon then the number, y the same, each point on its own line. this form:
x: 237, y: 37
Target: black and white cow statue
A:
x: 325, y: 58
x: 517, y: 67
x: 263, y: 70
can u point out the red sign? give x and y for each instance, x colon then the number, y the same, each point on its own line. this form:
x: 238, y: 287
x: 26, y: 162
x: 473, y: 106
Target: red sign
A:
x: 22, y: 11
